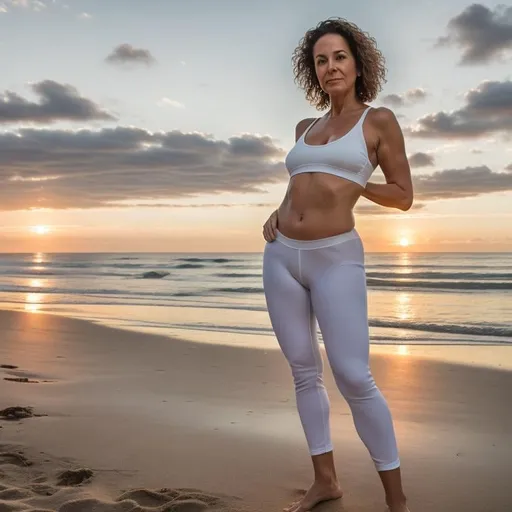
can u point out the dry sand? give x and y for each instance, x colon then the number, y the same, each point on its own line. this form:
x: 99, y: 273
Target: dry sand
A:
x: 123, y: 421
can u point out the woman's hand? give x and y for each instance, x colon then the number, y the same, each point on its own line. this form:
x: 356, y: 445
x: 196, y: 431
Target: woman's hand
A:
x: 270, y: 228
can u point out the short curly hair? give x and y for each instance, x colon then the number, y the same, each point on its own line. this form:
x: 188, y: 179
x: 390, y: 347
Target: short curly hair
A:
x: 369, y: 61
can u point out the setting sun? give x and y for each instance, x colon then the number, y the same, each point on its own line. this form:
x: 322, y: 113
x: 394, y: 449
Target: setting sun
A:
x: 40, y: 230
x: 404, y: 242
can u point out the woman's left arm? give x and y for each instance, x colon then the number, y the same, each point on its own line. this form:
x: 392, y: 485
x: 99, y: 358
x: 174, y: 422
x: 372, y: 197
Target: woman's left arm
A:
x: 397, y: 192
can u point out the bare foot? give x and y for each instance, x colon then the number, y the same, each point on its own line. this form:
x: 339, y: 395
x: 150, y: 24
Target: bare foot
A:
x: 317, y: 492
x: 398, y: 508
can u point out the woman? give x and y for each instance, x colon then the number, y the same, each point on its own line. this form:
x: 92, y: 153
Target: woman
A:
x: 313, y: 266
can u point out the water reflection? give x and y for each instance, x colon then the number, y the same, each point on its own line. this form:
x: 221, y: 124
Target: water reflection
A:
x: 39, y: 257
x: 33, y: 302
x: 403, y: 350
x: 403, y: 308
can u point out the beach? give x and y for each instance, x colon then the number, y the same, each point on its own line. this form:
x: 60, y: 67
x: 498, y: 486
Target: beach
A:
x: 168, y: 424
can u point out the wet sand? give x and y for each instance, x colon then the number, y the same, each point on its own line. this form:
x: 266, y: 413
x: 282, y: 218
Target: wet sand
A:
x: 150, y: 423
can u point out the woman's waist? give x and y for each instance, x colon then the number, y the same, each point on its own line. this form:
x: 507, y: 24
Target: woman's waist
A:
x: 312, y: 223
x: 310, y: 208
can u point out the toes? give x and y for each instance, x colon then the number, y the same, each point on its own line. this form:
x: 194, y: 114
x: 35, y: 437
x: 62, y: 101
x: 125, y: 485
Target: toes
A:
x: 292, y: 507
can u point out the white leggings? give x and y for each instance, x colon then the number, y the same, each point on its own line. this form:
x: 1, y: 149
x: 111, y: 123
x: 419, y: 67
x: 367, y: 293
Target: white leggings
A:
x: 326, y: 279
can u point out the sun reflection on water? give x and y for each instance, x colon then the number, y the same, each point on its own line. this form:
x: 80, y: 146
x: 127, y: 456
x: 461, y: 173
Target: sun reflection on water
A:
x: 33, y: 302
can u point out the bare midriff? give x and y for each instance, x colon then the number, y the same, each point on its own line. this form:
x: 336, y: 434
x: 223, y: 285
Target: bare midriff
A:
x: 318, y: 205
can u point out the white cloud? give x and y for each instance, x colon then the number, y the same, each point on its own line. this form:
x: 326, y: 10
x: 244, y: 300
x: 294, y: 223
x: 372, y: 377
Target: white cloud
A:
x: 35, y: 5
x: 170, y: 103
x: 85, y: 16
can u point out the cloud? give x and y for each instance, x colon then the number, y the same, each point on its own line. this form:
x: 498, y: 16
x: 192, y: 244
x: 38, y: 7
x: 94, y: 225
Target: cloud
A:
x: 483, y: 35
x: 461, y: 183
x: 33, y: 5
x: 126, y: 54
x: 371, y: 209
x: 86, y: 169
x: 58, y: 102
x: 127, y: 166
x: 85, y: 16
x: 170, y: 103
x: 421, y: 160
x: 408, y: 98
x: 488, y: 109
x: 201, y: 205
x: 509, y: 167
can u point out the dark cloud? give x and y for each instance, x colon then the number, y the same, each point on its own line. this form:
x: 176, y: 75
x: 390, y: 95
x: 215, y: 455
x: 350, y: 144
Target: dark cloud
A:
x: 459, y: 183
x: 375, y: 209
x: 408, y: 98
x: 125, y: 166
x: 203, y: 205
x: 482, y: 34
x: 421, y: 160
x: 58, y: 102
x: 86, y: 169
x: 394, y: 100
x: 488, y: 109
x: 126, y: 53
x: 509, y: 167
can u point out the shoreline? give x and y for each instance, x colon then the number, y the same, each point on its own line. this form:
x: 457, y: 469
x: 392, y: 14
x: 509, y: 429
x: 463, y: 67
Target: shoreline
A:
x: 152, y: 412
x: 488, y: 354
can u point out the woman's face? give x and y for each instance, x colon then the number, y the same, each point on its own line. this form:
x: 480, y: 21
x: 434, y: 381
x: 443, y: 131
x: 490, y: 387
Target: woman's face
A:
x: 334, y: 64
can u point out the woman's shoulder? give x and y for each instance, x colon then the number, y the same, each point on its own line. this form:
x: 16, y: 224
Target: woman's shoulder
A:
x: 302, y: 126
x: 381, y: 117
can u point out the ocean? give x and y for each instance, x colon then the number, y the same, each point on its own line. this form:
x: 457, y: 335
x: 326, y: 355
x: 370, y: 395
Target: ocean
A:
x: 413, y: 298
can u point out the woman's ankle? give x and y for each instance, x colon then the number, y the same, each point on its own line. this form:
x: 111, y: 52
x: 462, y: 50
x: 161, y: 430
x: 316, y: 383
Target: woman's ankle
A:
x: 327, y: 480
x: 396, y: 501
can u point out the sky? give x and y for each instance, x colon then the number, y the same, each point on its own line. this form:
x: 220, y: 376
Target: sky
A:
x: 162, y: 125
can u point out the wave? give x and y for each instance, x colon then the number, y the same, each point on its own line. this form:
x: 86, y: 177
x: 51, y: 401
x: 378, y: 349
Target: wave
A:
x: 244, y: 289
x: 212, y: 260
x: 474, y: 330
x: 438, y: 285
x: 234, y: 275
x: 435, y: 266
x: 443, y: 275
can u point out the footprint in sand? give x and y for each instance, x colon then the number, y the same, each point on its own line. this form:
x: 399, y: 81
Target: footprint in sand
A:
x: 75, y: 477
x: 18, y: 459
x: 68, y: 494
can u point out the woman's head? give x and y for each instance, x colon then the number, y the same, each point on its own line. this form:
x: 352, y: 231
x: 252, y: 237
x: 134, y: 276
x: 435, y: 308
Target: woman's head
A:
x: 335, y: 57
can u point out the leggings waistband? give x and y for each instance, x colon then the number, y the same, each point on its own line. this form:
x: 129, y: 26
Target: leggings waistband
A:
x: 317, y: 243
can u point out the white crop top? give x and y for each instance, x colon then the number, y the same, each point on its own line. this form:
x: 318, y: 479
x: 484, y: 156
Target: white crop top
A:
x: 346, y: 157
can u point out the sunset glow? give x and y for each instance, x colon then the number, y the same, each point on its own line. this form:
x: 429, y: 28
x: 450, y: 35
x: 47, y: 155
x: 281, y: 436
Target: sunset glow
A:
x: 144, y: 153
x: 40, y: 230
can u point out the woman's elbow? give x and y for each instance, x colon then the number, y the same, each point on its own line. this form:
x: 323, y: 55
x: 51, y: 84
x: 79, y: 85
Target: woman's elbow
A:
x: 406, y: 202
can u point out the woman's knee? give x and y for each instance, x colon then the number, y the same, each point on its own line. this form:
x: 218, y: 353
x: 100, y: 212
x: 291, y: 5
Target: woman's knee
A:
x: 307, y: 377
x: 306, y: 368
x: 354, y: 381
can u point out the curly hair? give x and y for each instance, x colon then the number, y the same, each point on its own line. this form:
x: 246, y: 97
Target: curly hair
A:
x: 369, y: 61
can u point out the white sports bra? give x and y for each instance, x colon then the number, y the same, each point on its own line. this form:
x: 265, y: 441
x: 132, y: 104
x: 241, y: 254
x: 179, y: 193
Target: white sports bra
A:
x: 346, y: 157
